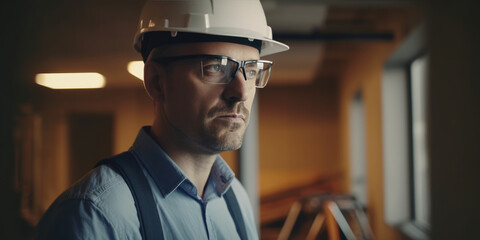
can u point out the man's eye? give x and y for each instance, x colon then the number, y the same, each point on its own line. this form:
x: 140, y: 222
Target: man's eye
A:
x: 252, y: 73
x: 213, y: 68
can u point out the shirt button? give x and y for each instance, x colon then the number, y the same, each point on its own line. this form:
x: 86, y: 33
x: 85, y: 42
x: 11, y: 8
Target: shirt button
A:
x: 224, y: 180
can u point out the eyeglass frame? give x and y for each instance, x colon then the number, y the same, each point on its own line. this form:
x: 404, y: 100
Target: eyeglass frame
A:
x: 240, y: 64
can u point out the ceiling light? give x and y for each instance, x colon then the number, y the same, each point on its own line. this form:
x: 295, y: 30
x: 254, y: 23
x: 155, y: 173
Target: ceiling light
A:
x: 71, y: 80
x: 136, y: 69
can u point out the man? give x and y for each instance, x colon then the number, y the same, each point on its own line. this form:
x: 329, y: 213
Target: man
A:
x: 202, y: 68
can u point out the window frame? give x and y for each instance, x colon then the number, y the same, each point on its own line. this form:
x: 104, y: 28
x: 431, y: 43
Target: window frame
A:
x: 399, y: 205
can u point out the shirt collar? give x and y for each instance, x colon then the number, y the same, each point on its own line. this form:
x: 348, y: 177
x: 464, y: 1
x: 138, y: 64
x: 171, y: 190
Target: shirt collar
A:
x: 221, y: 175
x: 166, y: 173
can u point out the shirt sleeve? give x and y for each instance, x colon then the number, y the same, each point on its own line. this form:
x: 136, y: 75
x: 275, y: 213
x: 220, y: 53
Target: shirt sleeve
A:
x: 75, y: 219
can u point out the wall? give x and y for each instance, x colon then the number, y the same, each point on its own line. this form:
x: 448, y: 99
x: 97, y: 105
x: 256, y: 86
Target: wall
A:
x: 298, y: 127
x: 454, y: 117
x: 298, y: 135
x: 130, y: 110
x: 363, y: 74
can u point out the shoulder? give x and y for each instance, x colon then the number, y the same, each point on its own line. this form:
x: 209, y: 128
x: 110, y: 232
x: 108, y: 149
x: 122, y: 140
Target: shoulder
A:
x: 100, y: 186
x: 95, y: 184
x: 98, y: 206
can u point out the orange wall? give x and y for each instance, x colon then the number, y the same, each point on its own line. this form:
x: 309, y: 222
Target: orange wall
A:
x: 131, y: 110
x: 363, y: 74
x: 298, y: 135
x: 298, y: 128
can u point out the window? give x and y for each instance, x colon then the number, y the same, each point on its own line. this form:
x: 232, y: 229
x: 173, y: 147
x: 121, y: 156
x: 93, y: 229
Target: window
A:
x: 358, y: 167
x: 406, y: 186
x: 419, y: 163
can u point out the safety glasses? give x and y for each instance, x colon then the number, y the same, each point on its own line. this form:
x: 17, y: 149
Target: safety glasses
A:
x: 222, y: 70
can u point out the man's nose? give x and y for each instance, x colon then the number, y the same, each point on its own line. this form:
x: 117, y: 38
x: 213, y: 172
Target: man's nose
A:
x: 238, y: 90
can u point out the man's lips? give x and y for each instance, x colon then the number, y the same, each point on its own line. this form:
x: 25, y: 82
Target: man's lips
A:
x: 231, y: 116
x: 237, y: 112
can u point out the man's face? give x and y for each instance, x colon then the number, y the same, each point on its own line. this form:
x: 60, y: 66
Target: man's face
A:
x: 201, y: 116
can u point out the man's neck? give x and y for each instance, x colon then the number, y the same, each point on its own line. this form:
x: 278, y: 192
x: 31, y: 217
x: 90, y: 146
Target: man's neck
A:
x: 196, y: 166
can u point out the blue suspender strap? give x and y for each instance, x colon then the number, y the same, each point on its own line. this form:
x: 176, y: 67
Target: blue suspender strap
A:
x: 126, y: 165
x: 235, y: 212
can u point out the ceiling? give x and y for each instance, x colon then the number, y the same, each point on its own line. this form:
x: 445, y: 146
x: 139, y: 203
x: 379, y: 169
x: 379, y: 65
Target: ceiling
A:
x: 97, y: 36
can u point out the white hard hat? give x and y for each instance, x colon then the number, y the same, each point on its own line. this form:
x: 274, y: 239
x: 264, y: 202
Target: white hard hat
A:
x: 228, y: 18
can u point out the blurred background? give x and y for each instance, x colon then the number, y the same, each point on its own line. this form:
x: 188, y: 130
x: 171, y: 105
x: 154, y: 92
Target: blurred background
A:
x: 377, y: 102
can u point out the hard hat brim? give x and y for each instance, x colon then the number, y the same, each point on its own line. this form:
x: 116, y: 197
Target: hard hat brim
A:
x: 269, y: 46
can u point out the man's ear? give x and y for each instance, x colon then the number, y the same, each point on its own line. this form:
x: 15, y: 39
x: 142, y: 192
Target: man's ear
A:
x: 154, y: 76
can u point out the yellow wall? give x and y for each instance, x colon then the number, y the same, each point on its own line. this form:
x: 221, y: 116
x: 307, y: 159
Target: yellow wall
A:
x: 363, y: 74
x: 298, y: 135
x: 298, y: 128
x: 131, y: 109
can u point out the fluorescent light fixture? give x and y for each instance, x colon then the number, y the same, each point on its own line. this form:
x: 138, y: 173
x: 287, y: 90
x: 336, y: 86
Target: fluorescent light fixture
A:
x: 136, y: 69
x: 71, y: 80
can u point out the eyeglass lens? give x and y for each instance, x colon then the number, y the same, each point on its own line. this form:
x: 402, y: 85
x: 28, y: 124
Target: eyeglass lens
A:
x: 222, y: 70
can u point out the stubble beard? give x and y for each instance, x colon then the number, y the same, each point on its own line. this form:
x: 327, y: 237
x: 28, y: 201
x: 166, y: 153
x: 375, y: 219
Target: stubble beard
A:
x: 225, y: 139
x: 222, y: 137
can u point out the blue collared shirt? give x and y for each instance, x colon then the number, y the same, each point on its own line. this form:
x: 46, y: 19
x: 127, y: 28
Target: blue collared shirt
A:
x: 100, y: 205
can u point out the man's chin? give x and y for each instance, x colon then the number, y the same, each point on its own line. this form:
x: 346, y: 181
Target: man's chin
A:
x: 226, y: 143
x: 230, y: 147
x: 226, y: 146
x: 224, y: 139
